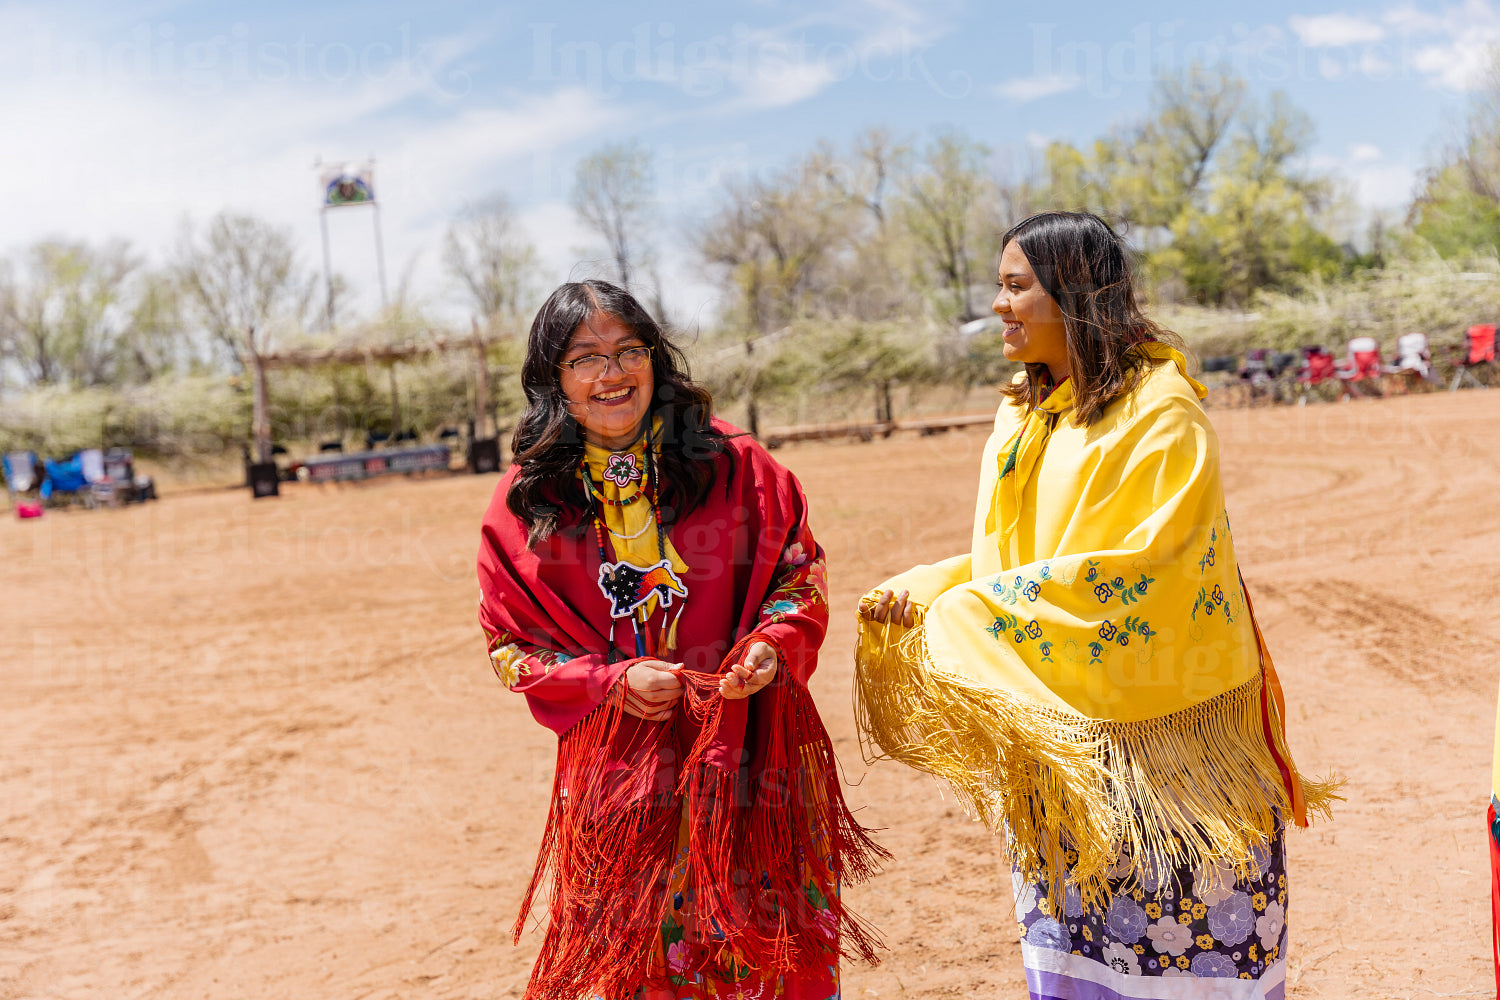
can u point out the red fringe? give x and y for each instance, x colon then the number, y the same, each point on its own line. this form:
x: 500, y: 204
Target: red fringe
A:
x: 759, y: 834
x: 607, y: 847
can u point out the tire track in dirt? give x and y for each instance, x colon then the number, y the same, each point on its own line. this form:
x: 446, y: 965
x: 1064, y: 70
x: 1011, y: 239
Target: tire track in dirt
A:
x: 1383, y: 631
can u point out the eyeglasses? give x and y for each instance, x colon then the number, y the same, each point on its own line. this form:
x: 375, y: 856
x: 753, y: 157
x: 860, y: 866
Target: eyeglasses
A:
x: 591, y: 367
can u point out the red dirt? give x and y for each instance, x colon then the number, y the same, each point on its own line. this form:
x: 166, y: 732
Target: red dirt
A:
x: 253, y: 749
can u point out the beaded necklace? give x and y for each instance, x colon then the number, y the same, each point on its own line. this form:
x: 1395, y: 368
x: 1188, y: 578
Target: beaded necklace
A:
x: 627, y: 586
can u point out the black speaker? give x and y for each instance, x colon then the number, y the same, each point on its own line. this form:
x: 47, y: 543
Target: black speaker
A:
x: 263, y: 479
x: 484, y: 455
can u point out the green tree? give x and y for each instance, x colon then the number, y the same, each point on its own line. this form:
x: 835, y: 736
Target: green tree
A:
x: 1207, y: 186
x: 65, y: 309
x: 1457, y: 208
x: 944, y: 208
x: 873, y: 357
x: 1253, y: 229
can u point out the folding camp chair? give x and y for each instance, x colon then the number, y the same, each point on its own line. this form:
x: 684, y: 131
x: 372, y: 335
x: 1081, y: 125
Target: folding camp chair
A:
x: 1362, y: 365
x: 101, y: 485
x: 119, y: 465
x: 1413, y: 360
x: 1478, y: 352
x: 21, y: 472
x: 65, y: 480
x: 1257, y: 376
x: 1318, y: 367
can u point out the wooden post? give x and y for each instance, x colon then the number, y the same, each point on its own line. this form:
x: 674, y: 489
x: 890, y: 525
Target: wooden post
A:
x: 395, y: 404
x: 751, y: 410
x: 260, y: 419
x: 481, y: 386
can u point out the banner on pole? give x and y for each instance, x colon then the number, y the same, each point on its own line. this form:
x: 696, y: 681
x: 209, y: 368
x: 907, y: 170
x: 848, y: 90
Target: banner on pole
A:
x: 348, y: 184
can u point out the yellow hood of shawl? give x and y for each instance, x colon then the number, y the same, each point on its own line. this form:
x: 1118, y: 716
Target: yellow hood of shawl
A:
x: 1090, y: 673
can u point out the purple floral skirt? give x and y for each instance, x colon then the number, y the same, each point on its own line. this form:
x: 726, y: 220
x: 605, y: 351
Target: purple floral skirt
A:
x: 1190, y: 924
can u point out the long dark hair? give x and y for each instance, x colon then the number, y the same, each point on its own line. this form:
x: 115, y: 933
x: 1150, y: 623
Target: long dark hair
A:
x: 1085, y: 266
x: 548, y: 443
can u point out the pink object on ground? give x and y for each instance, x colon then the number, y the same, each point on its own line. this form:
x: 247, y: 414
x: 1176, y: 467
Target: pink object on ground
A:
x: 25, y: 509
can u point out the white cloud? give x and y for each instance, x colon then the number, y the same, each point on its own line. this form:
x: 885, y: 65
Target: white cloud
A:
x: 1364, y: 152
x: 1384, y: 185
x: 1032, y: 88
x: 778, y: 67
x: 776, y: 85
x: 1456, y: 40
x: 133, y: 159
x: 1448, y: 45
x: 1333, y: 30
x: 1457, y: 65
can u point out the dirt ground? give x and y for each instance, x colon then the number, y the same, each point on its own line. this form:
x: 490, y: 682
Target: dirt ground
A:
x: 253, y: 749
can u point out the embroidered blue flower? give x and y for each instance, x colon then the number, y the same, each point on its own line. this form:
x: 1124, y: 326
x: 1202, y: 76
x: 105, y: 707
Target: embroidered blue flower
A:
x: 1046, y: 648
x: 1095, y: 649
x: 564, y: 657
x: 1046, y: 571
x: 1034, y: 629
x: 1218, y: 594
x: 1033, y: 590
x: 1123, y: 638
x: 1145, y: 631
x: 1107, y: 630
x: 782, y: 607
x: 1104, y: 593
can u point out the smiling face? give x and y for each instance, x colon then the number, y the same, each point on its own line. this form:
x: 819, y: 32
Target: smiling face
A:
x: 611, y: 410
x: 1034, y: 328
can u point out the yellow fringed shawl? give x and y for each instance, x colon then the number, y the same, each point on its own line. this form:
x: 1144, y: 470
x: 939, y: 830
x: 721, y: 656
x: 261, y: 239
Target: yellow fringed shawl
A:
x: 1090, y: 676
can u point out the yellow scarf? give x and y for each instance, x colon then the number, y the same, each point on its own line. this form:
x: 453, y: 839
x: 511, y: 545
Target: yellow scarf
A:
x: 631, y: 528
x: 1089, y: 674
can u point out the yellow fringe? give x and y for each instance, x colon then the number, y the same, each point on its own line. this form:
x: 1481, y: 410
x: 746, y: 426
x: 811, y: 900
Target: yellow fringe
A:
x: 1196, y: 786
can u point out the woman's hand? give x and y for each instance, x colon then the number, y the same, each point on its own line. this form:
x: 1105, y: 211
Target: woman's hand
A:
x: 650, y: 690
x: 897, y: 609
x: 751, y: 674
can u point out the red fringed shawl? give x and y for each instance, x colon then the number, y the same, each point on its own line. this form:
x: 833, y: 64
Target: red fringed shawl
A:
x: 758, y: 775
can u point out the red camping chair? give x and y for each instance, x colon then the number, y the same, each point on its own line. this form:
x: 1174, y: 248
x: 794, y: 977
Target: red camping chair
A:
x: 1318, y: 367
x: 1363, y: 364
x: 1479, y: 352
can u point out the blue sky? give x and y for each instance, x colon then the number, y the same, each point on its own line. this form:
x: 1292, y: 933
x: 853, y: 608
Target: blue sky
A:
x: 121, y: 120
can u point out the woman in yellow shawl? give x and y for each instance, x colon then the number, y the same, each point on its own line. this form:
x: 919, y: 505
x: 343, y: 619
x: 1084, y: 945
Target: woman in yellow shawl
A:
x: 1090, y: 676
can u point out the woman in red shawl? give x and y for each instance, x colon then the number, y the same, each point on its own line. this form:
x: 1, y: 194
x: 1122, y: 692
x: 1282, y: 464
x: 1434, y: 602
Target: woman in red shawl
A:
x: 649, y: 583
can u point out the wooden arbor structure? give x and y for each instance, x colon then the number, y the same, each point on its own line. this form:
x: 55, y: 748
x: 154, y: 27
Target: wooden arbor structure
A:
x: 389, y: 355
